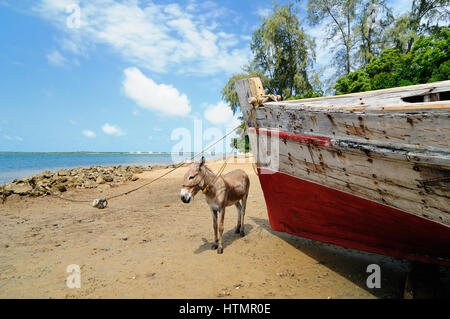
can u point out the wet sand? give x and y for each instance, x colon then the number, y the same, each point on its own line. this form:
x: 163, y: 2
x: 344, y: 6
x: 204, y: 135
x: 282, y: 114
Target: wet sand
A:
x: 148, y: 244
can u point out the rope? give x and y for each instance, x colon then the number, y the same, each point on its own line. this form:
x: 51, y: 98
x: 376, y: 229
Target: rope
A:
x: 253, y: 163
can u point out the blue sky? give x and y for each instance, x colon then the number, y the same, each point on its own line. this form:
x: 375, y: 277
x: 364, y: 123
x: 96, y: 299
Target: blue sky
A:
x: 126, y: 74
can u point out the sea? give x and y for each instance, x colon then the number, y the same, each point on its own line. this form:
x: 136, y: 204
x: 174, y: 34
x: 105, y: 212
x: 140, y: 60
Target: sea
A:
x: 19, y: 165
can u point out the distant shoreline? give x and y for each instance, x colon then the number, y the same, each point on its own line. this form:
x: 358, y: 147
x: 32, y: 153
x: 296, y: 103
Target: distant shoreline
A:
x: 19, y: 165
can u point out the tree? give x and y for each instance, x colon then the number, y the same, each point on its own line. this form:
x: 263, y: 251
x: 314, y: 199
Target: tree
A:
x: 427, y: 61
x: 341, y: 13
x: 283, y: 52
x: 373, y: 17
x: 357, y: 81
x: 242, y: 143
x: 388, y: 70
x: 422, y: 19
x: 429, y: 58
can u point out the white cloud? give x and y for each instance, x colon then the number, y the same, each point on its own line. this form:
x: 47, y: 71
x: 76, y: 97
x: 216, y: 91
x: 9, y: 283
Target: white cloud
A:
x: 56, y: 59
x: 221, y: 114
x: 263, y: 12
x: 156, y: 97
x: 10, y: 138
x: 112, y: 130
x: 160, y: 38
x: 89, y: 134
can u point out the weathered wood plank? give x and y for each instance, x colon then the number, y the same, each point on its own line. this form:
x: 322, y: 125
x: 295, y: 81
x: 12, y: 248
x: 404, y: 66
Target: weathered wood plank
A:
x: 390, y: 182
x: 377, y: 98
x: 394, y: 133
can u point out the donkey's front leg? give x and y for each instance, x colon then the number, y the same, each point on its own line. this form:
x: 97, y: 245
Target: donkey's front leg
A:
x: 244, y: 206
x: 214, y: 215
x: 239, y: 211
x: 222, y: 217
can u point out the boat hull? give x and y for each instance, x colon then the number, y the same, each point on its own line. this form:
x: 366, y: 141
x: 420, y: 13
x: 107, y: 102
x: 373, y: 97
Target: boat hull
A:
x: 369, y: 171
x: 306, y: 209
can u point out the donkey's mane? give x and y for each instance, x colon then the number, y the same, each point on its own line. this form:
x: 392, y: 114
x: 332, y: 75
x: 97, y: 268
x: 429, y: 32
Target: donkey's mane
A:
x: 208, y: 169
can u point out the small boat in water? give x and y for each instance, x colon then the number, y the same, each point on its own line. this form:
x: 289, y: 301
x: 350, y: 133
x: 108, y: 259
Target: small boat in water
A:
x: 368, y: 171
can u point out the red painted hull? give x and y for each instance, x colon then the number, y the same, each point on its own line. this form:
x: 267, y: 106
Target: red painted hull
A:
x: 310, y: 210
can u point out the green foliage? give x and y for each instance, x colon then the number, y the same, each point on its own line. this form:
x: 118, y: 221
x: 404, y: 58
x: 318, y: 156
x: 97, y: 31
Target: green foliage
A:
x: 387, y: 70
x: 242, y: 144
x: 357, y: 81
x: 427, y: 61
x: 309, y: 94
x: 429, y: 58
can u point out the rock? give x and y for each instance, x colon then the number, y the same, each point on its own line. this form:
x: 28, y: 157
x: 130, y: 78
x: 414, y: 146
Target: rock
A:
x: 19, y: 188
x: 100, y: 180
x: 81, y: 177
x: 62, y: 173
x: 89, y: 184
x: 47, y: 174
x: 38, y: 192
x: 32, y: 182
x: 108, y: 178
x: 4, y: 191
x: 61, y: 180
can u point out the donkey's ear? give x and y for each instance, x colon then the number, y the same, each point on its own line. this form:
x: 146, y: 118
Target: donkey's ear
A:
x: 202, y: 162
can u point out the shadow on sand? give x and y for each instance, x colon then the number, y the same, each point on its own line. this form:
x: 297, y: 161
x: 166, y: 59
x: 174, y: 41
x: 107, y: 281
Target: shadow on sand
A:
x: 228, y: 238
x: 352, y: 265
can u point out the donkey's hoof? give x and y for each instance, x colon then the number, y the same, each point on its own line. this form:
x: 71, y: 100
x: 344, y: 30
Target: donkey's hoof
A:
x: 214, y: 246
x: 220, y: 250
x: 242, y: 233
x: 237, y: 230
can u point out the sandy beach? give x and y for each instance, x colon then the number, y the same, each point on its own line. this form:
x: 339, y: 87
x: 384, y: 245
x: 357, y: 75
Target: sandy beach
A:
x: 149, y: 244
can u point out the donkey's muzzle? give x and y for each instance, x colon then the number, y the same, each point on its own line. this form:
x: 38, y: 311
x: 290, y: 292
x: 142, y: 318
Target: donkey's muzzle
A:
x: 185, y: 196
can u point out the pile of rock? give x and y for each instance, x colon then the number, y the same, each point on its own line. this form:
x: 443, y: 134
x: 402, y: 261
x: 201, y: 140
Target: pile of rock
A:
x: 82, y: 177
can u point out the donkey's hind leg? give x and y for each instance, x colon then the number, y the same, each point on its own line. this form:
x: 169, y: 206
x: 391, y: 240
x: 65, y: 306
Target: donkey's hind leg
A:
x: 244, y: 205
x: 216, y: 240
x: 239, y: 211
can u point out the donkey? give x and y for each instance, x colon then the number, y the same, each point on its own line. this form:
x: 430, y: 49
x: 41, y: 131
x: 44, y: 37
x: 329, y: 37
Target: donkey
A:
x: 228, y: 189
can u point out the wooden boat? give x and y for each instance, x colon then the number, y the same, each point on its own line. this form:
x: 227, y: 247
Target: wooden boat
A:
x: 368, y: 171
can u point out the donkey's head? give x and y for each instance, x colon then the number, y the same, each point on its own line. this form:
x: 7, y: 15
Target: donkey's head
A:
x: 194, y: 180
